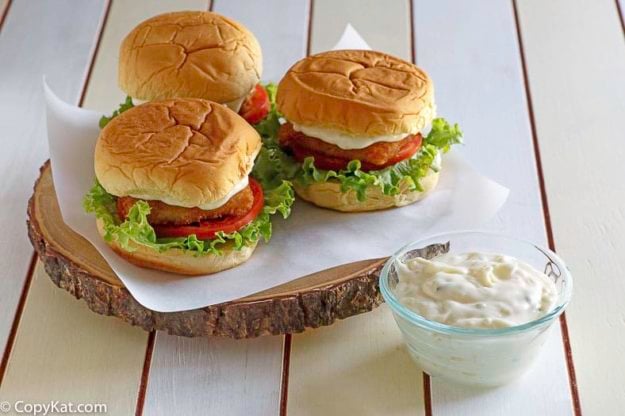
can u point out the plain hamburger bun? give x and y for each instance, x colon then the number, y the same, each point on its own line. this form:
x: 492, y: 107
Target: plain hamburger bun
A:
x: 184, y: 152
x: 190, y: 54
x: 361, y: 93
x: 179, y: 261
x: 329, y: 195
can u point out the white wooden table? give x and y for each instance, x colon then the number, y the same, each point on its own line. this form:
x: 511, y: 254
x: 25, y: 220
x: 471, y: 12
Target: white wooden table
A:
x: 539, y: 89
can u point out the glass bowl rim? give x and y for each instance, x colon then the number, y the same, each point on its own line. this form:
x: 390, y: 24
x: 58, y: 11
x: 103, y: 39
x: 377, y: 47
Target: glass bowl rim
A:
x: 415, y: 318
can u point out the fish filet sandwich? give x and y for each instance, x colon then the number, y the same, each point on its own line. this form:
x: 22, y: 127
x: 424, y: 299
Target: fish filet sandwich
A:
x: 174, y: 190
x: 194, y: 54
x: 362, y: 128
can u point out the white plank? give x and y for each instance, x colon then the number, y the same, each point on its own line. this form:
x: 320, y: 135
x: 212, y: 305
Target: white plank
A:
x: 280, y: 26
x: 62, y: 350
x: 385, y: 25
x: 3, y: 8
x: 576, y: 62
x: 231, y: 377
x: 356, y: 366
x: 35, y: 37
x: 104, y: 93
x: 65, y: 352
x: 214, y: 376
x: 478, y: 77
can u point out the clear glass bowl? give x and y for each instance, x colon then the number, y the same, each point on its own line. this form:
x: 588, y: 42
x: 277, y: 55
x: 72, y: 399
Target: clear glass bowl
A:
x: 476, y: 356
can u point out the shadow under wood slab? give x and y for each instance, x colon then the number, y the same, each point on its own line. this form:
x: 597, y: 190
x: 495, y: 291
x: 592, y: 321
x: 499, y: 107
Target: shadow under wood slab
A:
x: 308, y: 302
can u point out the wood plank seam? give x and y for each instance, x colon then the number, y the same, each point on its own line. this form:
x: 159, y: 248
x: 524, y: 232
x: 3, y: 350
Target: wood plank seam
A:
x: 427, y: 390
x: 149, y: 349
x: 413, y: 46
x: 18, y: 315
x: 9, y: 344
x: 286, y: 362
x: 33, y: 261
x: 94, y: 53
x: 145, y: 374
x: 311, y: 6
x: 620, y: 15
x: 427, y: 394
x: 547, y: 216
x: 286, y: 352
x: 4, y: 14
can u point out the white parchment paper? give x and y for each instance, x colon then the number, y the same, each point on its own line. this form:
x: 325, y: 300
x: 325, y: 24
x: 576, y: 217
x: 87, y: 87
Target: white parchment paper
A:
x: 312, y: 239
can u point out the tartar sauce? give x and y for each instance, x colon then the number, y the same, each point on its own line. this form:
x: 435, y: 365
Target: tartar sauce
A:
x: 475, y: 290
x: 214, y: 204
x: 345, y: 140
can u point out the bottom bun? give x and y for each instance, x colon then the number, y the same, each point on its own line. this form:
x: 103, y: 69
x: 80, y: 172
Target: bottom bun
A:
x: 179, y: 261
x: 328, y: 195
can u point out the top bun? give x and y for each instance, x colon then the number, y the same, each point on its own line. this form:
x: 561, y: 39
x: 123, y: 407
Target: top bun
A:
x: 362, y: 93
x: 184, y: 152
x: 189, y: 54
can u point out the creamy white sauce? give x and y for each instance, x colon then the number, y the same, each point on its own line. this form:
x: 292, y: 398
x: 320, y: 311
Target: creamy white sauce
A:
x: 234, y: 105
x: 238, y: 187
x: 345, y: 140
x: 208, y: 206
x: 437, y: 162
x: 475, y: 290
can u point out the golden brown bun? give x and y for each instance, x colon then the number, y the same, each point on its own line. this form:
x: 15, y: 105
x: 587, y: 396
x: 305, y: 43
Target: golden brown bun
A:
x: 329, y: 195
x: 363, y: 93
x: 185, y: 152
x: 189, y: 54
x: 179, y: 261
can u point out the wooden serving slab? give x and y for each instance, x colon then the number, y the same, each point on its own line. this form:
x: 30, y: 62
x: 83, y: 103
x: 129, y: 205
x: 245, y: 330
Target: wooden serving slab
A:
x: 307, y: 302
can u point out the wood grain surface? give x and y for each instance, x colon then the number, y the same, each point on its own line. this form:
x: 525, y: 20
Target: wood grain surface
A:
x: 620, y: 5
x: 357, y: 365
x: 33, y: 41
x: 269, y: 20
x: 384, y: 25
x: 575, y: 60
x: 65, y: 352
x: 309, y: 301
x: 482, y: 88
x: 4, y: 8
x: 281, y: 27
x: 95, y: 359
x: 577, y: 83
x: 214, y: 376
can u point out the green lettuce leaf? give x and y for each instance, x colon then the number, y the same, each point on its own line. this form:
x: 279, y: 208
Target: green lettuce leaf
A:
x: 126, y: 105
x: 273, y: 166
x: 443, y: 135
x: 268, y: 170
x: 268, y: 128
x: 439, y: 140
x: 136, y: 228
x: 388, y: 179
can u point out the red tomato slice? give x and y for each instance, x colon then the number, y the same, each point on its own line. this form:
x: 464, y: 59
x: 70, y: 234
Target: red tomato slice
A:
x: 206, y: 230
x: 334, y: 163
x: 256, y: 106
x: 405, y: 152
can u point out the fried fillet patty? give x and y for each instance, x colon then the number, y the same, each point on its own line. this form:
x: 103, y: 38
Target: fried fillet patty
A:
x: 162, y: 213
x: 377, y: 154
